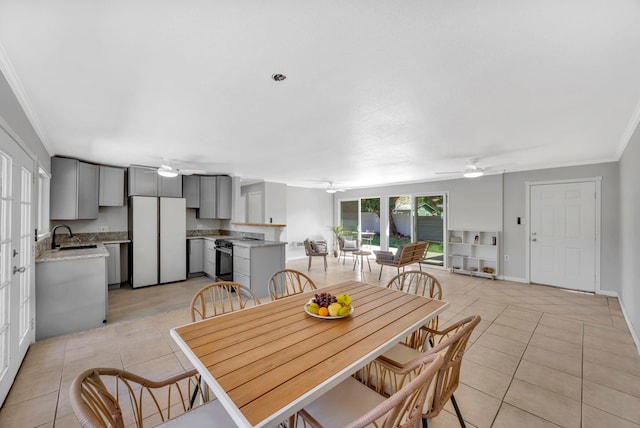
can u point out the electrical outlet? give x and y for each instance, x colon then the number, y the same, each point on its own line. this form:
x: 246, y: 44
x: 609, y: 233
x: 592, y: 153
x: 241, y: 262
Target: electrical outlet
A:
x: 104, y: 228
x: 506, y: 258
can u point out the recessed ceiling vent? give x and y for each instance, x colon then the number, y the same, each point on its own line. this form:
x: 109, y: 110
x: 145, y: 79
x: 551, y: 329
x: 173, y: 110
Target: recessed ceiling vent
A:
x: 278, y: 77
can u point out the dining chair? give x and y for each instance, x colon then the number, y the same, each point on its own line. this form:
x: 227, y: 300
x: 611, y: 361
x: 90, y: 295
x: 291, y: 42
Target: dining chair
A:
x: 316, y: 249
x: 132, y: 400
x: 219, y: 298
x: 288, y: 282
x: 421, y: 284
x: 351, y: 404
x: 389, y: 372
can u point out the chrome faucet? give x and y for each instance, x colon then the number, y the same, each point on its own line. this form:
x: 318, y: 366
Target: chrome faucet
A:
x: 53, y: 235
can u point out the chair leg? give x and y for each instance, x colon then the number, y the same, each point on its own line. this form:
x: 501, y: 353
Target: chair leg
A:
x: 425, y: 423
x: 380, y: 276
x: 325, y: 263
x: 457, y: 409
x: 309, y: 268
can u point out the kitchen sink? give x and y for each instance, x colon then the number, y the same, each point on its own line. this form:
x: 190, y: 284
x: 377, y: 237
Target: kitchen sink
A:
x: 78, y: 247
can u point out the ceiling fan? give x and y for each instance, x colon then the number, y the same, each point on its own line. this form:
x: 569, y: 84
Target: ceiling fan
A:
x: 333, y: 189
x: 167, y: 170
x: 470, y: 171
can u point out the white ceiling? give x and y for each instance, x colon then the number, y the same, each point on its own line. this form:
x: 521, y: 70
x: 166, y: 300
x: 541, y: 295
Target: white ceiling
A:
x: 377, y: 91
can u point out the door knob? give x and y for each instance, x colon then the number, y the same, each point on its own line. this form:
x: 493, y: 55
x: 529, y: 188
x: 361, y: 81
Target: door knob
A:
x: 18, y: 269
x: 534, y: 239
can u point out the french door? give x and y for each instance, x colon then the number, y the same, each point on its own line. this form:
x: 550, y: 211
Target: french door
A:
x: 17, y: 289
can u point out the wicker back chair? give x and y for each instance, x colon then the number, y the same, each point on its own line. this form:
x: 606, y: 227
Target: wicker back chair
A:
x: 288, y: 282
x: 347, y: 246
x: 353, y: 405
x: 422, y: 284
x: 219, y: 298
x: 143, y: 401
x: 388, y: 373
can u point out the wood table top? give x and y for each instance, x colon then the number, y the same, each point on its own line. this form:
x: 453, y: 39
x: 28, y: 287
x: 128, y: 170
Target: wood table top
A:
x: 266, y: 362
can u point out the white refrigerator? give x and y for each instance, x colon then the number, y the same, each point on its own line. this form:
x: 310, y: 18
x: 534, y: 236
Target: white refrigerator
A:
x: 158, y: 234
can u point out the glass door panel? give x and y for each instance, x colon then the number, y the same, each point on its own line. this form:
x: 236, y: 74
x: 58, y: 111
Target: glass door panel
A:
x: 370, y: 224
x: 430, y: 226
x: 349, y: 219
x: 400, y: 223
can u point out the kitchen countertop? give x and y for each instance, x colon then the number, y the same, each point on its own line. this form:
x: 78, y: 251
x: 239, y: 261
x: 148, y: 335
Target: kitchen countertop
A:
x: 249, y: 243
x: 81, y: 253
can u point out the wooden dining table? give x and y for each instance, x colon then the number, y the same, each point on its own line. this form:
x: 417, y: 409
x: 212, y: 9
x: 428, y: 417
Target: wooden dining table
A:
x: 265, y: 363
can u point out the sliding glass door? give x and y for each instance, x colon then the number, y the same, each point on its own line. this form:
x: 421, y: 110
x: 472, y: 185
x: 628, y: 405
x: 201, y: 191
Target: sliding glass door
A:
x: 429, y: 225
x: 400, y: 221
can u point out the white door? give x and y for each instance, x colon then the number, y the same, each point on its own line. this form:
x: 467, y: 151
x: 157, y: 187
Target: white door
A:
x: 563, y: 235
x: 17, y: 280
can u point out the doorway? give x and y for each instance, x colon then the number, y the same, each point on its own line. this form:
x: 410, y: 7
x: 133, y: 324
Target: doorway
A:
x: 17, y: 279
x: 564, y: 234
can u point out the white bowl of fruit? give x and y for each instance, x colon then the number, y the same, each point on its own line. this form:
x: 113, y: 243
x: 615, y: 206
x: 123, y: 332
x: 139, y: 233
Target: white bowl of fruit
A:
x: 326, y: 306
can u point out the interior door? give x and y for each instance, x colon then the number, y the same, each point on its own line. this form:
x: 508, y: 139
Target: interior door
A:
x: 563, y: 235
x: 17, y: 280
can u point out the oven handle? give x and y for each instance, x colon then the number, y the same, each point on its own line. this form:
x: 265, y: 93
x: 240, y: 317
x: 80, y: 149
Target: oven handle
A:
x: 224, y: 250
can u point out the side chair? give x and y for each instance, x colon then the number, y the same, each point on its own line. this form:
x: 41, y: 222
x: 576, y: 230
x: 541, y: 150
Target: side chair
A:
x: 219, y: 298
x: 288, y: 282
x: 351, y: 404
x: 316, y: 249
x: 421, y: 284
x: 138, y: 401
x: 390, y: 372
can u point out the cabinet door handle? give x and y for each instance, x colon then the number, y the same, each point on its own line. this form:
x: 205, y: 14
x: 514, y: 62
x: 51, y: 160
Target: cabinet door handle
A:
x: 18, y: 269
x: 533, y: 239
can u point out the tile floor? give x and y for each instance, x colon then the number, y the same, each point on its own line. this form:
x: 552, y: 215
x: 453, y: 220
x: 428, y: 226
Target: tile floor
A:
x: 541, y: 356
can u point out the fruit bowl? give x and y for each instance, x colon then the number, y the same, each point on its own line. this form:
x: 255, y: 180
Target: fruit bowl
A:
x: 328, y: 317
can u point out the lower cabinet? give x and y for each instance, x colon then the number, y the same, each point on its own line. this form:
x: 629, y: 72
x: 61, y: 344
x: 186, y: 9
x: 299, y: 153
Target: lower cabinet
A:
x: 253, y: 267
x: 196, y: 258
x: 210, y: 258
x: 113, y: 265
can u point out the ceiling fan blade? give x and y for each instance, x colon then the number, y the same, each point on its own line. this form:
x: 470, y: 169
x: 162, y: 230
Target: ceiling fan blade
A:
x: 450, y: 172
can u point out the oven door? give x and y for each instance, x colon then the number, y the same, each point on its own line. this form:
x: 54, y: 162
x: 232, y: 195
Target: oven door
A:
x: 224, y: 264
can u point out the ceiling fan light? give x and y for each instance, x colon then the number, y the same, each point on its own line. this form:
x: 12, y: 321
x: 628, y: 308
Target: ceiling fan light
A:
x: 165, y: 171
x: 473, y: 174
x: 331, y: 190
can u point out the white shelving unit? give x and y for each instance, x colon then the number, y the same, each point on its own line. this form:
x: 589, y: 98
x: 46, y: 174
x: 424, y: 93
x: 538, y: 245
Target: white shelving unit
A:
x: 474, y: 252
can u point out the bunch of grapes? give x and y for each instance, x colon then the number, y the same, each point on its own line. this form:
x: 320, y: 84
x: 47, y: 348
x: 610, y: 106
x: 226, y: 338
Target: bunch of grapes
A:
x: 324, y: 299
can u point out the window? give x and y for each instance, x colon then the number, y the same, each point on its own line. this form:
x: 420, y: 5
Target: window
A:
x: 43, y: 205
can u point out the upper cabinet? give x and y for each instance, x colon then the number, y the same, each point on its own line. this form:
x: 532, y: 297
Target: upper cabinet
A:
x: 146, y: 182
x: 111, y: 186
x: 191, y: 190
x: 74, y: 189
x: 215, y: 197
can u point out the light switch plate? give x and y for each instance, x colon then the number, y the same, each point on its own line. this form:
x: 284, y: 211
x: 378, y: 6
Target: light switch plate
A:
x: 104, y: 228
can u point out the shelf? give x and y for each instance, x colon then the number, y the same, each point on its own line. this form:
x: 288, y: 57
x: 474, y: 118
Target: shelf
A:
x: 475, y: 251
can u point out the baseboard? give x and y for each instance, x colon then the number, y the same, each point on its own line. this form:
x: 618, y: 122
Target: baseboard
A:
x: 514, y: 279
x: 634, y: 333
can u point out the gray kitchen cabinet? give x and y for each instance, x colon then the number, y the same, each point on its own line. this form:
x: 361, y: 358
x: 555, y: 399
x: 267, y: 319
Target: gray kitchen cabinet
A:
x: 170, y: 187
x: 210, y: 258
x: 191, y: 190
x: 113, y: 265
x: 74, y: 189
x: 254, y: 266
x: 196, y: 256
x: 111, y: 186
x: 215, y: 197
x: 208, y: 192
x: 223, y: 197
x: 145, y: 181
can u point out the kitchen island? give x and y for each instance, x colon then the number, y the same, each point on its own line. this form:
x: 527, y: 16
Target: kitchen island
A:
x: 71, y: 290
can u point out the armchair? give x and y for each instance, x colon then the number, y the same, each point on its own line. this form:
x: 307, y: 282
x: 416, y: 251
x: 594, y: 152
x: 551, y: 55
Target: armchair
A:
x: 347, y: 246
x: 316, y: 248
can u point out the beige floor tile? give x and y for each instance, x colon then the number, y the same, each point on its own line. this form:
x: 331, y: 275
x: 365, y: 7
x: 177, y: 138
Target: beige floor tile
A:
x: 68, y: 421
x: 515, y: 322
x: 550, y: 379
x: 510, y: 417
x: 544, y: 403
x: 607, y: 359
x: 478, y: 408
x: 499, y: 361
x: 611, y: 378
x: 562, y: 323
x: 447, y: 420
x: 596, y: 418
x: 510, y: 333
x: 484, y: 379
x: 554, y: 360
x: 611, y: 401
x: 29, y: 385
x: 502, y: 344
x: 560, y: 334
x: 556, y: 345
x: 133, y: 353
x: 31, y: 413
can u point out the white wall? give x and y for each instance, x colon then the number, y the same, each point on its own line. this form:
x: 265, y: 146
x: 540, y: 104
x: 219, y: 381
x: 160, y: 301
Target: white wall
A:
x: 309, y: 215
x: 630, y: 232
x: 115, y: 218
